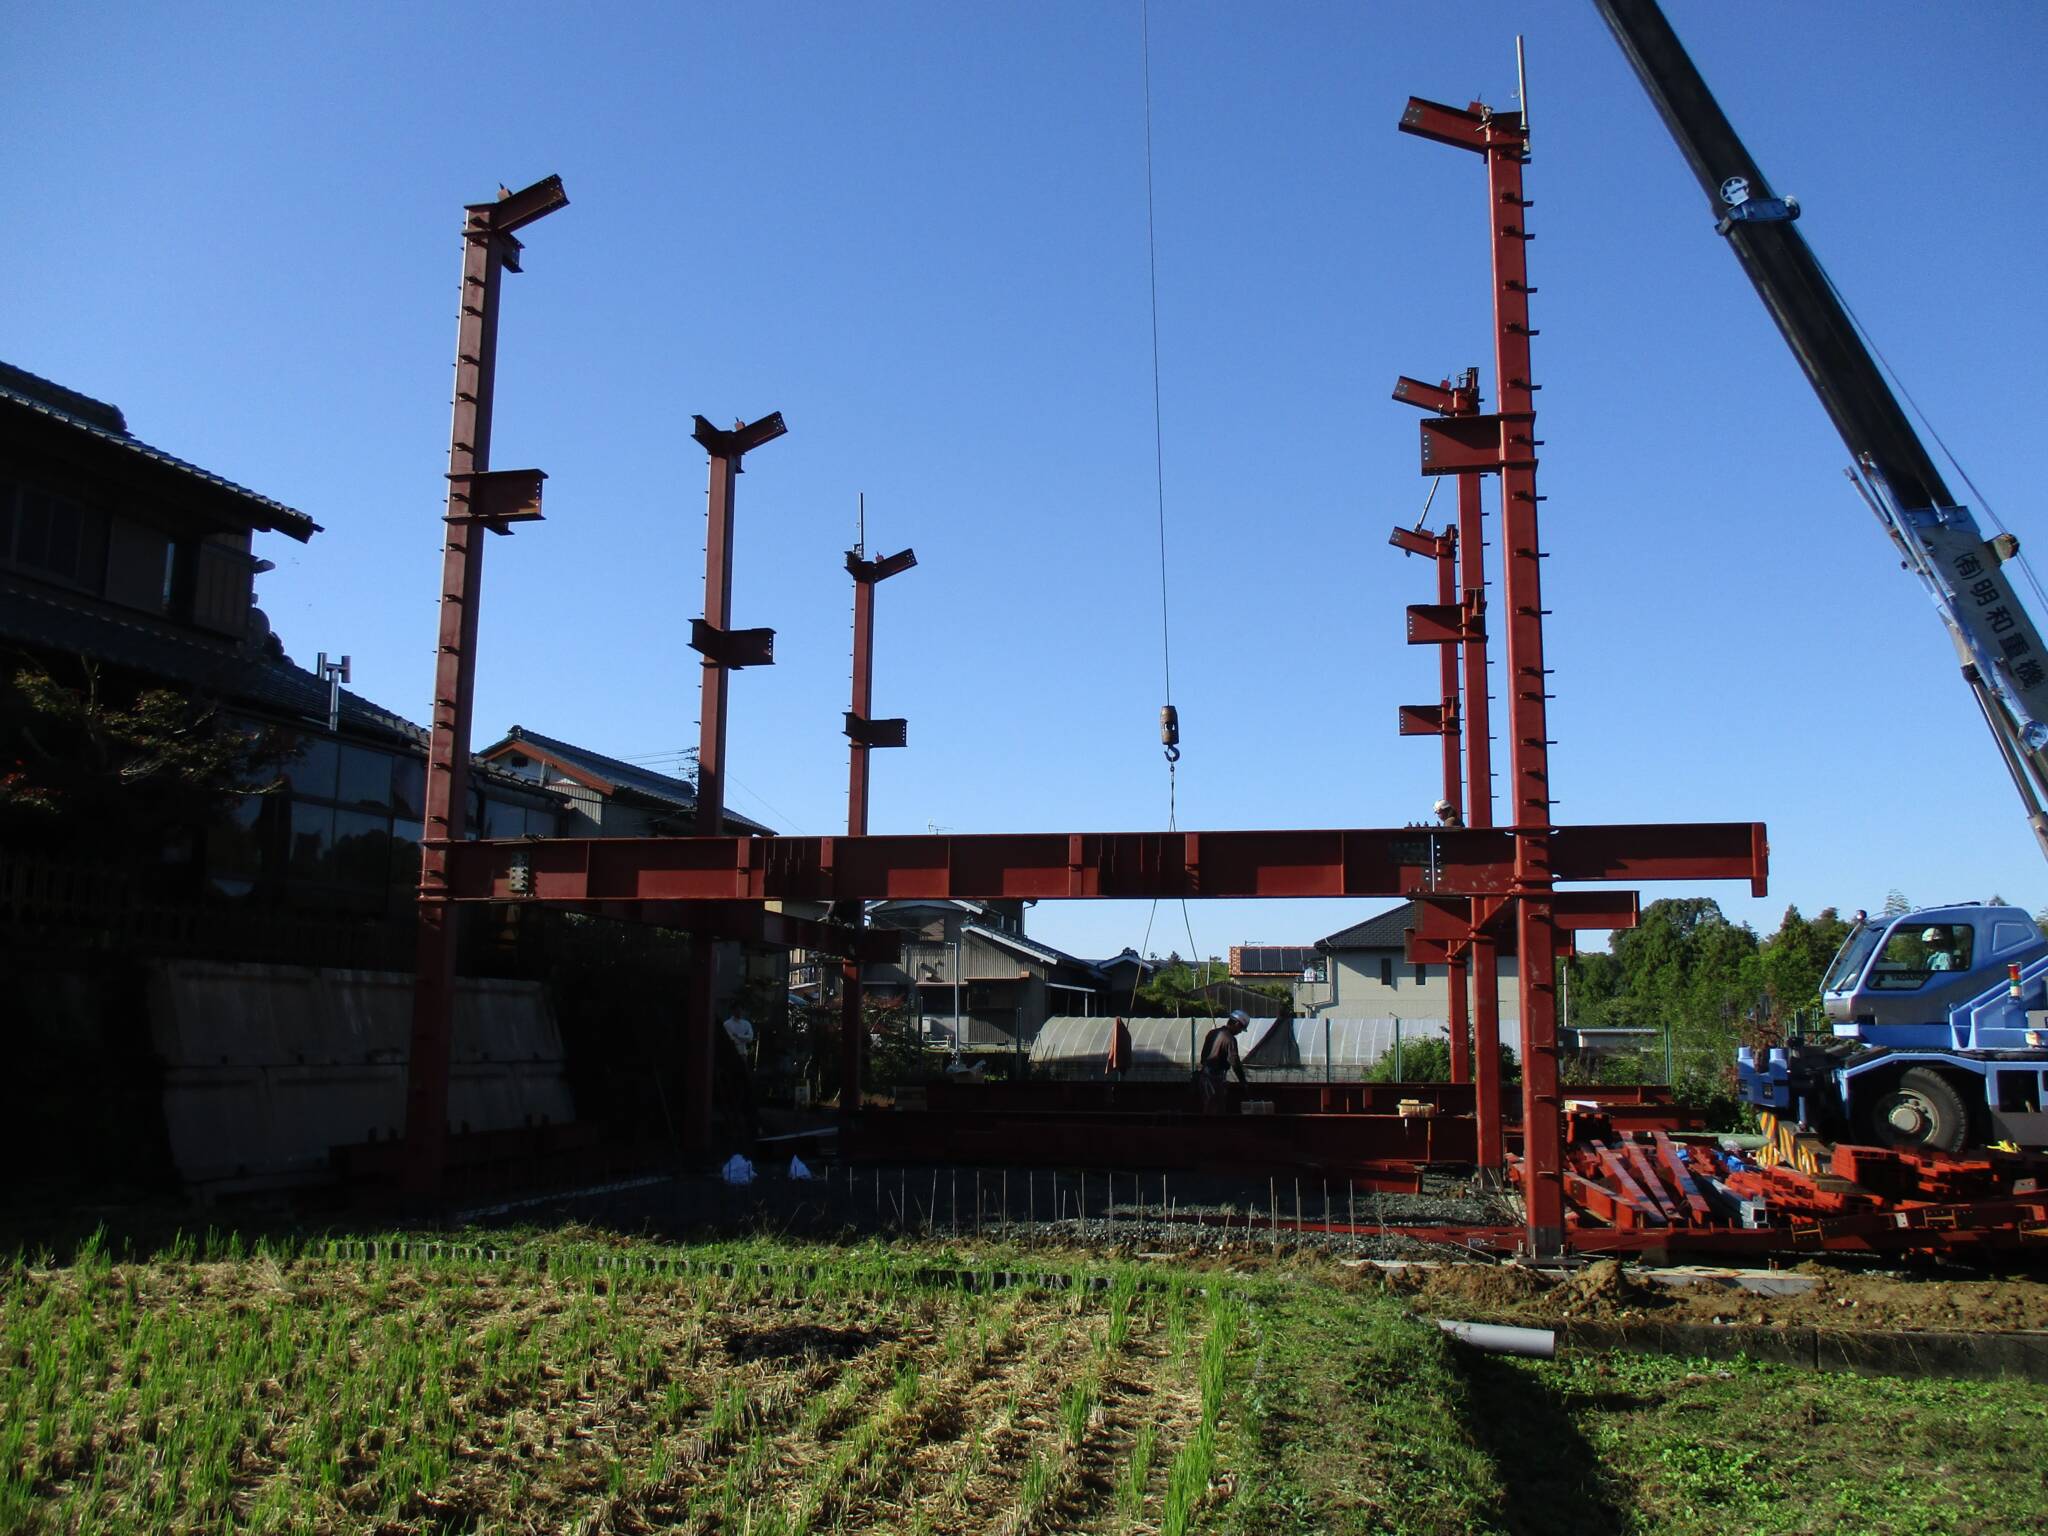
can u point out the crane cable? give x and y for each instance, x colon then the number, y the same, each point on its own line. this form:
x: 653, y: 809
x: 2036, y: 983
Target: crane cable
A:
x: 1169, y: 717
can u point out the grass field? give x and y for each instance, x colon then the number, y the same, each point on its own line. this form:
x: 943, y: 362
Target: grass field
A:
x: 551, y: 1384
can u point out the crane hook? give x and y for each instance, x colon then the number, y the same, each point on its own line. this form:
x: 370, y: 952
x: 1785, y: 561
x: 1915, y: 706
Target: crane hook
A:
x: 1169, y: 732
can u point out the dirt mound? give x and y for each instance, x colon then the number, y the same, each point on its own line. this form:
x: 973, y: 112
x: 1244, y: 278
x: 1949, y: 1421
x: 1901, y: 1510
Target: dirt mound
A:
x: 1602, y: 1289
x: 1839, y: 1297
x: 1489, y: 1286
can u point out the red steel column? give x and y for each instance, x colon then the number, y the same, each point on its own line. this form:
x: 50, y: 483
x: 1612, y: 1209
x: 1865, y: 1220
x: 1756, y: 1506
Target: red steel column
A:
x: 852, y: 1027
x: 1454, y: 788
x: 863, y: 734
x: 863, y: 699
x: 723, y: 649
x: 488, y: 249
x: 1452, y: 624
x: 1485, y: 964
x: 1522, y: 591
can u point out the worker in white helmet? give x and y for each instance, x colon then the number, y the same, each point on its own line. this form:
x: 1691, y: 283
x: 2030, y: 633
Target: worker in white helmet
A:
x: 1940, y: 957
x: 1219, y: 1059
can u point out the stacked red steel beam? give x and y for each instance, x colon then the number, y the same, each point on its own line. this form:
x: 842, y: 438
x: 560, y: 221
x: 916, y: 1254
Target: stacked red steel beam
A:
x: 1647, y: 1189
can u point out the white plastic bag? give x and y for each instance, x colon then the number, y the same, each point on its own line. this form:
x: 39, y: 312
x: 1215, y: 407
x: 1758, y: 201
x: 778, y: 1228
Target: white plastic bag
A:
x: 738, y: 1170
x: 797, y: 1170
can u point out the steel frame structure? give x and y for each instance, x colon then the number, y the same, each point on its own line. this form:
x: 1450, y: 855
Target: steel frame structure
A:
x: 1470, y: 879
x: 863, y: 734
x: 479, y: 499
x: 1458, y: 625
x: 1505, y: 443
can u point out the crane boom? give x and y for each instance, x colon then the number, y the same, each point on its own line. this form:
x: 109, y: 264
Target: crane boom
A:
x: 2003, y: 659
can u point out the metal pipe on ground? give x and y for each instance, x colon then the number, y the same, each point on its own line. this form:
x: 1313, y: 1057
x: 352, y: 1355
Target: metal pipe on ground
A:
x: 1498, y: 1339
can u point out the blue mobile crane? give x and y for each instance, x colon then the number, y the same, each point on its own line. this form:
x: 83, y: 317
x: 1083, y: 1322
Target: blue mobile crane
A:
x: 1939, y: 1017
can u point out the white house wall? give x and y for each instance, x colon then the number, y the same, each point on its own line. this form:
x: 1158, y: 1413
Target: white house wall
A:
x: 1354, y: 989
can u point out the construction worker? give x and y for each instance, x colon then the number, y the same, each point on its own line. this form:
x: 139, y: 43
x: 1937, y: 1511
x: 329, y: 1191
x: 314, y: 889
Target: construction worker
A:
x: 1940, y: 957
x: 1119, y: 1059
x: 1219, y: 1059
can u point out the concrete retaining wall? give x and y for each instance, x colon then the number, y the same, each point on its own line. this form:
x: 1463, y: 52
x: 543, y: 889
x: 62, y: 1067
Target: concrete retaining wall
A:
x: 266, y: 1067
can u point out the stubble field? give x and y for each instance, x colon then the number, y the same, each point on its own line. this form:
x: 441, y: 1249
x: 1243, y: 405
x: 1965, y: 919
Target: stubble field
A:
x: 552, y: 1382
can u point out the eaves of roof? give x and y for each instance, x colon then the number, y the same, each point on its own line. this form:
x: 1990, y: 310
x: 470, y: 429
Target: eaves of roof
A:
x: 1384, y: 930
x: 1030, y: 948
x: 259, y: 510
x: 612, y: 776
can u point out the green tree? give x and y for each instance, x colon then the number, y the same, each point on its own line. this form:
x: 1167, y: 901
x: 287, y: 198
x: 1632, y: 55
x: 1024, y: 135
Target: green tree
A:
x: 1795, y: 962
x: 1688, y: 974
x: 1428, y: 1060
x: 116, y: 770
x: 1176, y: 987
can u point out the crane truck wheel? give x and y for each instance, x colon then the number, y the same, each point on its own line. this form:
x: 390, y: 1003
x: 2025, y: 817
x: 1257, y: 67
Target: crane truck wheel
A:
x: 1921, y: 1112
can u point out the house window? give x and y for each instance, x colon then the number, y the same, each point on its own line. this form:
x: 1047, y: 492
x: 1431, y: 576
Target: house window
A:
x: 1421, y: 973
x: 54, y: 538
x: 365, y: 776
x: 1386, y: 970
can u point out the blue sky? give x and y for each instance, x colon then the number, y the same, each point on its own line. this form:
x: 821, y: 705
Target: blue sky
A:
x: 919, y: 231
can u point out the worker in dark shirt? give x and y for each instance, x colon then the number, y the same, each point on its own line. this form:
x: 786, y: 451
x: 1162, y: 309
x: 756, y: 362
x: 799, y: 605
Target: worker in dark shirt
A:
x: 1219, y: 1059
x: 1119, y: 1060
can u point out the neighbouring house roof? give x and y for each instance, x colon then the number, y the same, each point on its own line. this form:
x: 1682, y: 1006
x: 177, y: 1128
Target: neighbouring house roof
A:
x: 1384, y: 931
x: 908, y: 903
x: 609, y: 775
x: 135, y: 642
x: 29, y: 400
x: 259, y: 679
x: 1129, y: 956
x: 1045, y: 954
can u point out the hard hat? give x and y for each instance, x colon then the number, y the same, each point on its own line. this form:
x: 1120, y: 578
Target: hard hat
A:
x: 1932, y: 936
x: 1442, y: 806
x: 1239, y: 1016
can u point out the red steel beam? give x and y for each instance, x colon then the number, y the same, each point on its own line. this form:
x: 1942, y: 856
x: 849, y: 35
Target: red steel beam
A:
x: 1400, y: 861
x: 476, y: 503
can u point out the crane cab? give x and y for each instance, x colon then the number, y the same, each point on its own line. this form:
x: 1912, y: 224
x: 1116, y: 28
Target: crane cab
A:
x: 1896, y: 978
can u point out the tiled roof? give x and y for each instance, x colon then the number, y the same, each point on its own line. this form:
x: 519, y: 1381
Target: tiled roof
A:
x: 272, y: 686
x: 150, y: 647
x: 1384, y: 931
x: 28, y: 395
x: 1030, y: 948
x: 659, y: 787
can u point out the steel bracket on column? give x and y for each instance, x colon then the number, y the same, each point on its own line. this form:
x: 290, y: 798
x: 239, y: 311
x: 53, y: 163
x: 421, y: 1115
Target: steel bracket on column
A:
x: 1415, y: 541
x: 872, y: 571
x: 1420, y: 951
x: 1444, y: 624
x: 876, y: 733
x: 1446, y: 399
x: 733, y: 648
x: 1463, y: 445
x: 1459, y: 127
x: 1426, y: 720
x: 1455, y: 919
x: 498, y: 497
x: 742, y: 439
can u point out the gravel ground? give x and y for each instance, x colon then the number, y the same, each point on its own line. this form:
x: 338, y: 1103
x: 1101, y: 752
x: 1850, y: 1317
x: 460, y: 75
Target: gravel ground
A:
x: 1211, y: 1215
